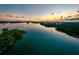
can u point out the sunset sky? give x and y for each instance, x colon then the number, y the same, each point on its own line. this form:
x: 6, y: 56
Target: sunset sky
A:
x: 39, y: 12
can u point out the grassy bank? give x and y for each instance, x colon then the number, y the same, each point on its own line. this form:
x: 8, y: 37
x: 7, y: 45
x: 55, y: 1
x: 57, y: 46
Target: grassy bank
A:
x: 70, y: 28
x: 9, y: 37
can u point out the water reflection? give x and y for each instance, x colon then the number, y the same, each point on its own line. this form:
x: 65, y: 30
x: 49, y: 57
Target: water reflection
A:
x: 42, y: 40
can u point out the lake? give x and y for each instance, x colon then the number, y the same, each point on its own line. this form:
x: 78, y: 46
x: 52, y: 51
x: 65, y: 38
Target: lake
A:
x: 41, y: 40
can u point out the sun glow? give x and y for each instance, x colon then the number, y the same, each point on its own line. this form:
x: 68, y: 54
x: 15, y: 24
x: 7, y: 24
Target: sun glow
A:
x: 38, y: 12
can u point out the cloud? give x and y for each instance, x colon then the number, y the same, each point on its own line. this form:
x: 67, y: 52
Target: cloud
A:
x: 17, y: 17
x: 52, y: 13
x: 77, y: 15
x: 37, y: 18
x: 9, y: 15
x: 59, y: 12
x: 72, y: 18
x: 22, y: 16
x: 78, y: 11
x: 56, y: 12
x: 69, y: 16
x: 14, y: 16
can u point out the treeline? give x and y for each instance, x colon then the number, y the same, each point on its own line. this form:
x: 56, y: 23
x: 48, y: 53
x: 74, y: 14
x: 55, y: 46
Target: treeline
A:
x: 70, y: 28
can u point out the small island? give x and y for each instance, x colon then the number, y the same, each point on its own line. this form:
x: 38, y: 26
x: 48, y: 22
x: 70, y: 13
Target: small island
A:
x: 9, y: 37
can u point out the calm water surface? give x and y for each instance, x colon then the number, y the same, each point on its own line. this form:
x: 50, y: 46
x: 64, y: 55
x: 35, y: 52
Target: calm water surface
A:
x: 42, y: 40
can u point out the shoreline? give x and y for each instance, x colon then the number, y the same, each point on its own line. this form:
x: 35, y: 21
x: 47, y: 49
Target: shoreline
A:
x: 9, y: 37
